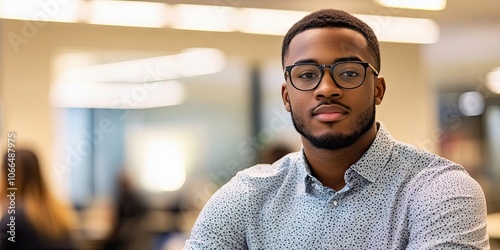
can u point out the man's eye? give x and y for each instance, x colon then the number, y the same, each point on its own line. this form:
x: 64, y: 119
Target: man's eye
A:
x: 307, y: 75
x: 349, y: 74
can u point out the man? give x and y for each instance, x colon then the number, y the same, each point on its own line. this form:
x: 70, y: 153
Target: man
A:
x: 352, y: 186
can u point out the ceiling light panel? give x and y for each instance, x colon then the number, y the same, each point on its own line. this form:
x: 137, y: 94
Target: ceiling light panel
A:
x: 204, y: 18
x: 43, y: 11
x: 414, y: 4
x: 128, y: 13
x: 268, y: 22
x: 403, y: 29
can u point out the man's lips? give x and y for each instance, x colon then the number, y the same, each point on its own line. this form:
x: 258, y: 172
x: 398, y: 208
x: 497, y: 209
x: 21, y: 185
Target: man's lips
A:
x: 329, y: 112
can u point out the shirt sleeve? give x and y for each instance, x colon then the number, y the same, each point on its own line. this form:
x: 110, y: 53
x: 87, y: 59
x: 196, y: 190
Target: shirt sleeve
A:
x: 448, y: 212
x: 221, y: 223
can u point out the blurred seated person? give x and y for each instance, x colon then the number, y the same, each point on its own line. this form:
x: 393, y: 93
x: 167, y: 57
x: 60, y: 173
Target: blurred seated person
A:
x: 129, y: 230
x: 31, y: 216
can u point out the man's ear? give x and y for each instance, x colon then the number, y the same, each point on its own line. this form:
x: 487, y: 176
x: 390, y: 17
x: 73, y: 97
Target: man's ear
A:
x: 285, y: 97
x: 379, y: 89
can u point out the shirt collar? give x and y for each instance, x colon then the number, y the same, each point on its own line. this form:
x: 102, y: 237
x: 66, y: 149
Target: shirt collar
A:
x: 369, y: 166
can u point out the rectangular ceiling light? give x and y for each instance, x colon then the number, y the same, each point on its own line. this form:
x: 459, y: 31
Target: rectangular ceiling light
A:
x: 128, y: 13
x: 203, y: 17
x: 134, y: 84
x: 189, y: 62
x: 116, y: 95
x: 267, y: 21
x: 43, y: 11
x: 414, y: 4
x: 402, y: 29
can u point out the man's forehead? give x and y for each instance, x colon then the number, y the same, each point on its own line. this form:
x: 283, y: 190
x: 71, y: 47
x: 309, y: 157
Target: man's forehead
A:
x: 340, y: 39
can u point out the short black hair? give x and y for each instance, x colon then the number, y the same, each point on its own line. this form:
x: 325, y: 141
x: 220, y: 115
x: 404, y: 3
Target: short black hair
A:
x: 332, y: 18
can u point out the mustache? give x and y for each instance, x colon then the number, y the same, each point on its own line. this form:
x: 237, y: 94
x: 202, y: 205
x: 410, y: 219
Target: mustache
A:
x: 330, y: 102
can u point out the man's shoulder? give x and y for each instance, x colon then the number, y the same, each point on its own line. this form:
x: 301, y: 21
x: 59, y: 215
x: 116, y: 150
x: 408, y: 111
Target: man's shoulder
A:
x: 279, y: 167
x: 420, y: 157
x: 289, y: 167
x: 426, y: 167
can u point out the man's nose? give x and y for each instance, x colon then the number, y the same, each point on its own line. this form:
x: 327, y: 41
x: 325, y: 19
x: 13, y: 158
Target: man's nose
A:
x: 327, y: 86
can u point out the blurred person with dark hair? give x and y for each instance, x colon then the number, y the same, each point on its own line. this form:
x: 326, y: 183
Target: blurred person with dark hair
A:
x: 41, y: 221
x: 352, y: 185
x: 129, y: 230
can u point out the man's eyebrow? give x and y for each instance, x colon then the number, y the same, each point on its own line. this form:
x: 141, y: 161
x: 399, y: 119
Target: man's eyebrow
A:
x: 342, y: 59
x: 306, y: 61
x: 345, y: 59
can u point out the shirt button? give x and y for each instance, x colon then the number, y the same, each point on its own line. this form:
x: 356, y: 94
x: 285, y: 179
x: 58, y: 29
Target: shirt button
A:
x: 335, y: 203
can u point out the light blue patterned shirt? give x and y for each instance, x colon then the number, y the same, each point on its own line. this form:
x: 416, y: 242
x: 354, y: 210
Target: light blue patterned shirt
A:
x: 396, y: 197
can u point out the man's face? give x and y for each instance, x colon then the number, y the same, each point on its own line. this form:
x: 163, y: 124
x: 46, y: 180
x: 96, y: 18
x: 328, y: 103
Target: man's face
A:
x: 330, y: 117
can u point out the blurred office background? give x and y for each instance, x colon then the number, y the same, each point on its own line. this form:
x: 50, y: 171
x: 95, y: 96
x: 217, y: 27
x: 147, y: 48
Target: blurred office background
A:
x: 167, y: 100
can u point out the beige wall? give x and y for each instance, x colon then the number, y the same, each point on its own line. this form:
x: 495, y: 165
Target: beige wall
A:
x: 25, y: 75
x: 409, y: 109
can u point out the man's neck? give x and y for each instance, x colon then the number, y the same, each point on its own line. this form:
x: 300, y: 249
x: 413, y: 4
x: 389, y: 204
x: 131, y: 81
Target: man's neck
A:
x: 329, y: 166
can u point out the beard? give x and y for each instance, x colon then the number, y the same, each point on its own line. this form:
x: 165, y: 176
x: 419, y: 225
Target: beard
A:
x: 335, y: 140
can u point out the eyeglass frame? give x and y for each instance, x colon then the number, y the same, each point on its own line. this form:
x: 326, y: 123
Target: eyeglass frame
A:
x: 288, y: 72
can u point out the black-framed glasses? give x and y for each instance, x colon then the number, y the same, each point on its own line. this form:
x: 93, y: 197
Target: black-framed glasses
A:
x: 347, y: 75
